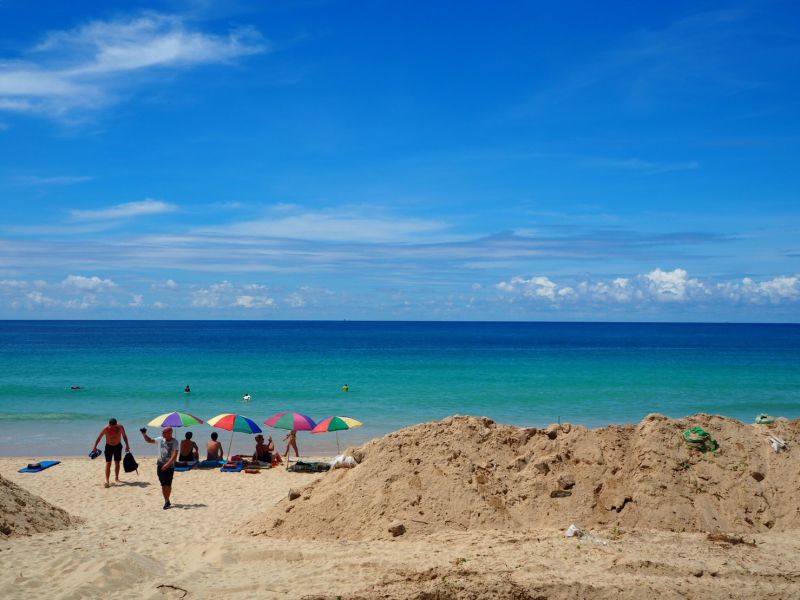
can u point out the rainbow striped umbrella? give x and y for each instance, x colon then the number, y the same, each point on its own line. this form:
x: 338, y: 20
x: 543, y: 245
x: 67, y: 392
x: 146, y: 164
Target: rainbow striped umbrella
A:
x: 175, y: 419
x: 232, y: 422
x: 291, y: 420
x: 336, y: 424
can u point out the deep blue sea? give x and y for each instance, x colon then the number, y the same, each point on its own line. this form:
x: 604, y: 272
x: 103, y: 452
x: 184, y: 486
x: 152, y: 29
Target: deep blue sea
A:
x: 399, y: 373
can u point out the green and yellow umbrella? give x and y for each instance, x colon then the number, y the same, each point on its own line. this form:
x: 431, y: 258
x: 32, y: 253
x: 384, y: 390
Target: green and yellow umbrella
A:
x: 336, y: 424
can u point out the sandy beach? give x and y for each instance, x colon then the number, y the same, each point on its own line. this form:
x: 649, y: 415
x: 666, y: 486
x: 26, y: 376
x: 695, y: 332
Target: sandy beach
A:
x: 224, y: 539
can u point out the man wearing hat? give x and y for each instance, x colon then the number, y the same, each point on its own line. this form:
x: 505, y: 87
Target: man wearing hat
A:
x: 165, y: 465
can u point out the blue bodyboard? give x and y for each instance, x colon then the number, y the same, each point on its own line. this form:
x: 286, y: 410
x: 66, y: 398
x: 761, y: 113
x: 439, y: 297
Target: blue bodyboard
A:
x: 45, y: 464
x: 237, y: 469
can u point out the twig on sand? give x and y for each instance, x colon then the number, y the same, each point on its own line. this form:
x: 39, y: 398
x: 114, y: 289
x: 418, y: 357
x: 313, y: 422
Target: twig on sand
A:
x: 730, y: 539
x: 165, y: 588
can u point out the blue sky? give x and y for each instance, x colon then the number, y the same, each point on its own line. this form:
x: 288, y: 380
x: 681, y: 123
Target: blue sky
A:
x: 400, y: 160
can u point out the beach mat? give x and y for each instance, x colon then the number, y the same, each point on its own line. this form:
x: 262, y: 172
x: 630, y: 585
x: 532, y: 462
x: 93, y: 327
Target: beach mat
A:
x: 233, y: 468
x: 210, y: 464
x: 45, y: 464
x: 186, y: 466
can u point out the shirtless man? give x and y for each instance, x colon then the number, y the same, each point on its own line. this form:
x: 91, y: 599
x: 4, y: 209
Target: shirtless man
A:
x: 189, y: 451
x: 114, y: 434
x: 214, y: 448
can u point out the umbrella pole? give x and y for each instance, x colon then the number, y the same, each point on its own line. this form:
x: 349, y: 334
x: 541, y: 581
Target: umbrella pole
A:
x: 229, y: 446
x: 338, y: 451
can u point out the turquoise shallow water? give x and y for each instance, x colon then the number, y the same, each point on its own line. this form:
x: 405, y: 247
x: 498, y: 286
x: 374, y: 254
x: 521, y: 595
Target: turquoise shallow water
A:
x: 398, y: 373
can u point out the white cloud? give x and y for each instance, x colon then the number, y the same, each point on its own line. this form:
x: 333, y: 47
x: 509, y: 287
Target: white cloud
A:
x: 254, y: 301
x: 52, y: 180
x: 169, y: 284
x: 82, y: 67
x: 648, y: 167
x: 345, y: 225
x: 159, y: 305
x: 38, y: 298
x: 672, y: 286
x: 93, y: 283
x: 536, y: 287
x: 775, y: 291
x: 214, y: 296
x: 619, y: 290
x: 658, y: 285
x: 82, y: 303
x: 13, y: 284
x: 295, y: 300
x: 137, y: 301
x: 228, y: 295
x: 127, y: 210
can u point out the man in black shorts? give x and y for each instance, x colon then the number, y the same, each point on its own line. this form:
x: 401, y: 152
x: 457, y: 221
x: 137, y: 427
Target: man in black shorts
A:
x: 114, y: 433
x: 165, y: 464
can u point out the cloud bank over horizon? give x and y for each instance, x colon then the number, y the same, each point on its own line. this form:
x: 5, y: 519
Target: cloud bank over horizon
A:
x: 638, y: 295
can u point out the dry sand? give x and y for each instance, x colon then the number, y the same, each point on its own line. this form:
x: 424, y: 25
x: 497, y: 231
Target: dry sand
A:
x: 468, y: 473
x: 489, y: 530
x: 22, y: 513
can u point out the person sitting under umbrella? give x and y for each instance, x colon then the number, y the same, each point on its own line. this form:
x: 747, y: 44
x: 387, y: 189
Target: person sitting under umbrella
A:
x: 264, y: 452
x: 214, y: 449
x: 189, y: 450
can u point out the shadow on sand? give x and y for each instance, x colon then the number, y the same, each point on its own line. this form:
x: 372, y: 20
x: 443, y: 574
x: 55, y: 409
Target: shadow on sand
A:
x: 140, y: 484
x: 189, y: 506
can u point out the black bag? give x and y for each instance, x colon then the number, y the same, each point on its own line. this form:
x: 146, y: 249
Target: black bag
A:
x: 129, y: 463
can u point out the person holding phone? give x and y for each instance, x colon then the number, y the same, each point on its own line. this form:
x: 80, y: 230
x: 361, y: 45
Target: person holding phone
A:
x: 165, y: 464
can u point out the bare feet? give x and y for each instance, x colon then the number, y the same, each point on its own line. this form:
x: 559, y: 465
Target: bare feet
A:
x: 108, y: 484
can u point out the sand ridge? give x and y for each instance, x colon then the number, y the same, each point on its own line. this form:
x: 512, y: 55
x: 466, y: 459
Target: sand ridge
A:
x: 468, y: 473
x: 23, y: 513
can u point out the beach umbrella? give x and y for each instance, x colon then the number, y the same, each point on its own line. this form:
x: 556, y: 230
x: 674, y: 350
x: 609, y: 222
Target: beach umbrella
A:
x: 336, y: 424
x: 293, y: 421
x: 175, y: 419
x: 232, y: 422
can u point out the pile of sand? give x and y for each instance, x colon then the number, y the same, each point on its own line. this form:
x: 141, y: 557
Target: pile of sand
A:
x: 22, y: 513
x: 466, y: 473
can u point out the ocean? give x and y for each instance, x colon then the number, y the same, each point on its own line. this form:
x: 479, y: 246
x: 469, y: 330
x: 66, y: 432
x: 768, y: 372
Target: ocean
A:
x: 398, y: 373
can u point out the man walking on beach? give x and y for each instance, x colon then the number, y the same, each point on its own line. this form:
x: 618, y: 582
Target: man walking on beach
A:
x: 165, y: 465
x: 114, y: 433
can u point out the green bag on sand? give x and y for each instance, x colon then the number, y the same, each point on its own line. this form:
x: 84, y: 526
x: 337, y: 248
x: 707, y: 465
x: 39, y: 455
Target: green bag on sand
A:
x: 700, y: 439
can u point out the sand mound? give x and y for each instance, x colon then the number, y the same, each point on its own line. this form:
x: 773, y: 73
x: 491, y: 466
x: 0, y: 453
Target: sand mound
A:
x: 471, y: 473
x: 22, y: 513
